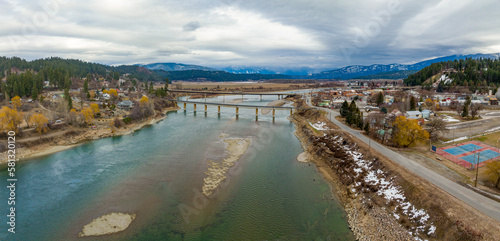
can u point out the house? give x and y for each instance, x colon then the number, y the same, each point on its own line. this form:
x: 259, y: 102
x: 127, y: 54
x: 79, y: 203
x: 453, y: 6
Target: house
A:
x: 493, y: 101
x: 126, y: 104
x: 413, y: 115
x: 106, y: 96
x: 394, y: 114
x: 426, y: 113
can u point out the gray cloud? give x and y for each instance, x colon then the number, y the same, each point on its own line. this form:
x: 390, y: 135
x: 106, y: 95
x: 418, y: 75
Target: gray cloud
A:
x: 191, y: 26
x: 317, y: 33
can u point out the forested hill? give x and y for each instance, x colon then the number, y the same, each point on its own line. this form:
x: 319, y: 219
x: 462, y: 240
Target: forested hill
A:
x: 201, y: 75
x: 73, y: 67
x: 27, y: 78
x: 473, y: 73
x: 55, y: 69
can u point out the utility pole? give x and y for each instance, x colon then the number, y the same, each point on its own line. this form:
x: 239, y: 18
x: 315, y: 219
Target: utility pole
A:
x: 477, y: 169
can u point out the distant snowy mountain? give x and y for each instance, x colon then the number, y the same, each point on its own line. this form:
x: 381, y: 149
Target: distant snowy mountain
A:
x: 176, y: 67
x: 269, y: 70
x: 356, y: 71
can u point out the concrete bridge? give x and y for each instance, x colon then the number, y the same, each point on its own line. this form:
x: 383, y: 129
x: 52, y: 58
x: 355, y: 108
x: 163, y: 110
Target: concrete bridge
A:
x: 236, y: 106
x: 280, y: 95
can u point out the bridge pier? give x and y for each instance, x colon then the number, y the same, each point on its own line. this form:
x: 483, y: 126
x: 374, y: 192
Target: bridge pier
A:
x: 205, y: 108
x: 274, y: 113
x: 194, y: 107
x: 184, y: 105
x: 175, y: 104
x: 256, y: 111
x: 291, y: 111
x: 237, y: 111
x: 218, y: 110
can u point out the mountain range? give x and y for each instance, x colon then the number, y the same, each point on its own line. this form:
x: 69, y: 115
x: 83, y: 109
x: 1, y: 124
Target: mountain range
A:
x: 389, y: 71
x: 176, y: 67
x: 358, y: 71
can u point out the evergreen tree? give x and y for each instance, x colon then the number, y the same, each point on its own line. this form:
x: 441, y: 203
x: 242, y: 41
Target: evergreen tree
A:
x: 465, y: 111
x: 34, y: 92
x: 86, y: 88
x: 367, y: 128
x: 15, y: 89
x: 67, y: 96
x: 344, y: 109
x: 413, y: 104
x: 380, y: 98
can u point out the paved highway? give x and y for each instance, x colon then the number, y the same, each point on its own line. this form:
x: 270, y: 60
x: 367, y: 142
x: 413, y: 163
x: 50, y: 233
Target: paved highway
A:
x: 483, y: 204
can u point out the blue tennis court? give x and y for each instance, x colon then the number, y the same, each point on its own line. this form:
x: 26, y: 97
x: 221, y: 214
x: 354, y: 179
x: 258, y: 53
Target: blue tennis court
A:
x: 463, y: 149
x: 484, y: 156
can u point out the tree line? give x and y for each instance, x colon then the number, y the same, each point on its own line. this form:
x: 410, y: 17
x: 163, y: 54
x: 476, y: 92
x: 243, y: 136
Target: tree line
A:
x: 477, y: 74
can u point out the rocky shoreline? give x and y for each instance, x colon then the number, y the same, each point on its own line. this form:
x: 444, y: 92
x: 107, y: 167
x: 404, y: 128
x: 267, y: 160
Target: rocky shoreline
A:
x: 382, y: 200
x: 364, y: 219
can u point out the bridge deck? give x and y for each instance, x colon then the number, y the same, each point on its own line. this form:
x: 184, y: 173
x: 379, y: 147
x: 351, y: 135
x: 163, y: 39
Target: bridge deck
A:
x: 227, y: 93
x: 238, y: 105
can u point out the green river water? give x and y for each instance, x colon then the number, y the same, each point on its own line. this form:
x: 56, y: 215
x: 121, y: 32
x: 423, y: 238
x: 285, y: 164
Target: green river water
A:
x: 157, y: 173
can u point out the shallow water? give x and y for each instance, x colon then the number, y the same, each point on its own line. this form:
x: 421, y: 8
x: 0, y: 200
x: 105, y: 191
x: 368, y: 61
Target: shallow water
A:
x: 157, y: 173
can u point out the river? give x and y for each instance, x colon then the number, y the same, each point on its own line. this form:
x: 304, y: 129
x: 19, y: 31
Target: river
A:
x: 157, y: 173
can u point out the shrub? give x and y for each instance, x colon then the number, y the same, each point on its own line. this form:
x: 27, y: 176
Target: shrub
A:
x: 127, y: 120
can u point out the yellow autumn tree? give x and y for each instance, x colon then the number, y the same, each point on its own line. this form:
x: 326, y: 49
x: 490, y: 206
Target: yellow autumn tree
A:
x: 40, y: 123
x: 113, y: 93
x: 105, y: 92
x: 92, y: 94
x: 144, y: 100
x: 16, y: 102
x: 88, y: 115
x: 95, y: 108
x: 407, y: 132
x: 493, y: 172
x: 10, y: 119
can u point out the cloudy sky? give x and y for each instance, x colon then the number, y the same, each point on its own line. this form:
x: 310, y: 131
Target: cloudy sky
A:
x: 320, y: 34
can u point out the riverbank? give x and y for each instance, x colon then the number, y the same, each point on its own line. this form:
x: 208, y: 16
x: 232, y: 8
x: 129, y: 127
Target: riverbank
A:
x: 382, y: 200
x: 75, y: 136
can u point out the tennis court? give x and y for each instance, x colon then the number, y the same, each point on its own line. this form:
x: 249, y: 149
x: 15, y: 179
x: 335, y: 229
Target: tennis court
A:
x: 483, y: 156
x: 467, y: 154
x: 462, y: 149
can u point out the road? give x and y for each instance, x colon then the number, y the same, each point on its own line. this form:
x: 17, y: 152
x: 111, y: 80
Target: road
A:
x: 481, y: 203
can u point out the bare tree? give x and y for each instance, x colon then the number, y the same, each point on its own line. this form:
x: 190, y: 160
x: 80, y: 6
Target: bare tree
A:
x: 27, y: 117
x: 436, y: 125
x: 474, y: 109
x: 457, y: 106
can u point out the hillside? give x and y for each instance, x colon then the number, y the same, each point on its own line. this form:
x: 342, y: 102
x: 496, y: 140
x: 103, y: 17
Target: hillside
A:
x: 361, y: 71
x: 476, y: 74
x: 175, y: 67
x: 401, y: 74
x: 299, y: 71
x: 217, y: 76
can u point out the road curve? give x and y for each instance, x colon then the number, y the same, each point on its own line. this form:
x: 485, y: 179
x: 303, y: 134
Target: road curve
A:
x: 481, y: 203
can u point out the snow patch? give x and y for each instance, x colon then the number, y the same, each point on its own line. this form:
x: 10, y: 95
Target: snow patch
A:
x: 457, y: 139
x: 320, y: 126
x: 388, y: 189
